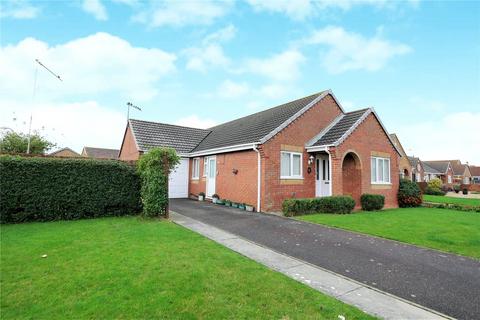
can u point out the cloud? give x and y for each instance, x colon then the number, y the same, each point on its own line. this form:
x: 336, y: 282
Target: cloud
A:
x: 96, y: 8
x: 230, y: 89
x: 18, y: 9
x: 351, y: 51
x: 194, y: 121
x: 454, y: 136
x: 73, y: 125
x: 183, y: 13
x: 222, y: 35
x: 284, y: 66
x: 94, y: 65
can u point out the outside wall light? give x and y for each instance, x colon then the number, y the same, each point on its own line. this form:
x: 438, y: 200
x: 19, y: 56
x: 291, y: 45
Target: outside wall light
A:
x: 234, y: 171
x: 310, y: 160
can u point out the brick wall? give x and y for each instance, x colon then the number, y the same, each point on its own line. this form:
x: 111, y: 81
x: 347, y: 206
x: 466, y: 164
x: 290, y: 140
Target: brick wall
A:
x: 129, y: 148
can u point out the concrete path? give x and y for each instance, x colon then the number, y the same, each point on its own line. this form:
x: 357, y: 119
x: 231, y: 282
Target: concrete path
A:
x: 447, y: 283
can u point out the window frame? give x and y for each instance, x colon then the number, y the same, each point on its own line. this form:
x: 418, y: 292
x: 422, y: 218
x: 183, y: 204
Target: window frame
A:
x: 196, y: 168
x: 205, y: 167
x: 383, y: 161
x: 291, y: 155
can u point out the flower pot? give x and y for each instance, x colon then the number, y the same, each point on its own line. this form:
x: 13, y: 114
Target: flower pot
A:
x: 234, y: 205
x: 228, y: 204
x: 214, y: 200
x: 249, y: 208
x: 241, y: 207
x: 201, y: 198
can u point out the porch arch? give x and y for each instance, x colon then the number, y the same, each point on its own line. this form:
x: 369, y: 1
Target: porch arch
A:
x: 352, y: 175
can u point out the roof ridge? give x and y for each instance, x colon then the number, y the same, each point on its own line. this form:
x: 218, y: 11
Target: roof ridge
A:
x: 98, y: 148
x: 168, y: 124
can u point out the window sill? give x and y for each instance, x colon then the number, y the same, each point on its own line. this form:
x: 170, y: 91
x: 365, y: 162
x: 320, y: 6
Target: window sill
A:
x: 195, y: 179
x: 291, y: 178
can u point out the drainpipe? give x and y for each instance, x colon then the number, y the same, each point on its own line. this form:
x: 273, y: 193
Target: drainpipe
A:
x: 330, y: 170
x: 259, y: 175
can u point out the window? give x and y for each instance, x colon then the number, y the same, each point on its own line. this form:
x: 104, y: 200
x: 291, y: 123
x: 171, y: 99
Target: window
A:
x: 205, y: 166
x: 380, y: 170
x: 196, y: 168
x: 449, y: 179
x: 290, y: 165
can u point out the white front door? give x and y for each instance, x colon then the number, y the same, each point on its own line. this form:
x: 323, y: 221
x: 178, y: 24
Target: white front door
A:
x: 212, y: 174
x: 322, y: 176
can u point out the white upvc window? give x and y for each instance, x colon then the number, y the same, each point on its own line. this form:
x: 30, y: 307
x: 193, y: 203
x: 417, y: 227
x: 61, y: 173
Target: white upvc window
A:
x: 290, y: 165
x: 205, y: 166
x: 449, y: 179
x: 380, y: 170
x: 196, y: 168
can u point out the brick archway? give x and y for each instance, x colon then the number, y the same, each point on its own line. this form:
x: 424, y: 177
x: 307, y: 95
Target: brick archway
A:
x: 406, y: 174
x: 352, y: 176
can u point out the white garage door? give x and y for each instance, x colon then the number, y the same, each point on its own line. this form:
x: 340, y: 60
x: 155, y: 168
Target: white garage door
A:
x: 178, y: 184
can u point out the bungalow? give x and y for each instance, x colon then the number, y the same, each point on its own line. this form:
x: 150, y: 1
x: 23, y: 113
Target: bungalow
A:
x: 461, y: 172
x: 404, y: 164
x: 309, y: 147
x: 64, y: 153
x: 418, y: 173
x: 100, y: 153
x: 475, y: 171
x: 442, y: 170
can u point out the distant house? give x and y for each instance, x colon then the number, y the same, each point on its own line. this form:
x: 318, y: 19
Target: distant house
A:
x: 443, y: 170
x: 475, y: 172
x: 461, y: 172
x: 100, y: 153
x: 64, y: 153
x: 418, y: 174
x: 430, y: 173
x: 404, y: 164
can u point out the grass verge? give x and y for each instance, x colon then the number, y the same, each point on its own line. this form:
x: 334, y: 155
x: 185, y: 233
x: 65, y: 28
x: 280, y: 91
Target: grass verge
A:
x: 451, y: 200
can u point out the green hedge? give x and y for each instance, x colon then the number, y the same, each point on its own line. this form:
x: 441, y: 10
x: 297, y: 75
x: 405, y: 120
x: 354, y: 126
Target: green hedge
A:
x: 334, y: 204
x: 371, y: 202
x: 46, y: 189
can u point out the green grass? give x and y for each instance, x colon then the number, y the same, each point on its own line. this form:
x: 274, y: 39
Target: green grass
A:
x: 443, y: 229
x: 451, y: 200
x: 128, y: 268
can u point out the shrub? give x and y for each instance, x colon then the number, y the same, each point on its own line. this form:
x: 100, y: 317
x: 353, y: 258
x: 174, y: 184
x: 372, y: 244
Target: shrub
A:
x: 434, y: 191
x: 47, y: 189
x: 435, y: 183
x: 456, y: 188
x: 334, y: 204
x: 372, y: 202
x: 409, y: 194
x: 465, y: 191
x: 154, y: 168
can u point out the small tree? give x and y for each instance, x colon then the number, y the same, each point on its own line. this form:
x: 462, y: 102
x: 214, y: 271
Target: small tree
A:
x: 154, y: 168
x: 13, y: 142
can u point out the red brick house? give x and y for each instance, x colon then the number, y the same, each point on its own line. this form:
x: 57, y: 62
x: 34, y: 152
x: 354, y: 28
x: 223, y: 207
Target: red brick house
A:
x: 309, y: 147
x: 441, y: 169
x: 418, y: 171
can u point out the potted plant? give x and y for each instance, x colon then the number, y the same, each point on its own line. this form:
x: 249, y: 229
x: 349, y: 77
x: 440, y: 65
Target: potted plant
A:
x: 456, y: 188
x: 201, y: 196
x: 215, y: 198
x: 220, y: 202
x: 249, y: 208
x: 228, y: 203
x: 465, y: 191
x: 241, y: 206
x: 234, y: 205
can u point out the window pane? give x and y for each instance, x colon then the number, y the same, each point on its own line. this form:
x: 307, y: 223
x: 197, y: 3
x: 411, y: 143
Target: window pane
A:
x: 211, y: 169
x: 285, y: 164
x: 296, y: 164
x: 205, y: 166
x: 323, y: 167
x: 380, y: 170
x: 386, y: 170
x: 374, y: 169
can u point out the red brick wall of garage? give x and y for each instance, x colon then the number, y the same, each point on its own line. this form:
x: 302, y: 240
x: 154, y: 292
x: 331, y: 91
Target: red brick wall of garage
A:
x: 240, y: 187
x: 129, y: 149
x: 196, y: 186
x: 367, y: 138
x: 304, y: 128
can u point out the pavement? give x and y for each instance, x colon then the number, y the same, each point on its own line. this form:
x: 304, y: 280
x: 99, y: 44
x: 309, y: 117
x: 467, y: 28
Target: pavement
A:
x: 446, y: 283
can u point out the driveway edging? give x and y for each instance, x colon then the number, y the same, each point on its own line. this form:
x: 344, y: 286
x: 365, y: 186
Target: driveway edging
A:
x: 366, y: 298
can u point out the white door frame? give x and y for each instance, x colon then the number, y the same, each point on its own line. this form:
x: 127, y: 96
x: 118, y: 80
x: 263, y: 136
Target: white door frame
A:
x: 323, y: 180
x: 210, y: 184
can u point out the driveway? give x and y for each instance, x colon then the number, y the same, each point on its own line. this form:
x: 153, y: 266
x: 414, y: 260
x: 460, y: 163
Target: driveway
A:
x: 440, y: 281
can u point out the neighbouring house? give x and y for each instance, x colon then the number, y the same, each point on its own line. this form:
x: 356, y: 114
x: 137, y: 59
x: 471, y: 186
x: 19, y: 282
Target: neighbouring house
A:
x: 100, y: 153
x: 442, y: 170
x: 475, y: 172
x: 418, y: 173
x: 404, y: 164
x: 64, y: 153
x: 305, y: 148
x: 461, y: 172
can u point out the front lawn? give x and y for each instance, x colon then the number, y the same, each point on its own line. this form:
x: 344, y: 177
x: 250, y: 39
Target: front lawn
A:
x: 130, y: 268
x: 442, y: 229
x: 451, y: 200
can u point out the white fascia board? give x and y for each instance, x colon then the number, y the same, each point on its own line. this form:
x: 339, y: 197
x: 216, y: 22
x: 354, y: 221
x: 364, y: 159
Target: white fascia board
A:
x: 295, y: 116
x: 324, y: 131
x: 317, y: 148
x: 238, y: 147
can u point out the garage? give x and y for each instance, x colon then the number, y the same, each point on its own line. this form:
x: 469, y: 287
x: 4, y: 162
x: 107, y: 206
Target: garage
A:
x: 178, y: 182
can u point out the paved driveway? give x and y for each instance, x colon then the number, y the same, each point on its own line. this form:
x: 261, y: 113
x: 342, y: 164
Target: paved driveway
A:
x: 444, y: 282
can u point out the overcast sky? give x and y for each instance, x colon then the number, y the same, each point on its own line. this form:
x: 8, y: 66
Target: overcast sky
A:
x: 202, y: 63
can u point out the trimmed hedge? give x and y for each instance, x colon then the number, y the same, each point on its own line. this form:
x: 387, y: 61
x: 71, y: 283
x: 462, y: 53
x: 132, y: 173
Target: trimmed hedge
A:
x: 47, y: 189
x: 434, y: 191
x: 371, y: 202
x: 334, y: 204
x: 409, y: 194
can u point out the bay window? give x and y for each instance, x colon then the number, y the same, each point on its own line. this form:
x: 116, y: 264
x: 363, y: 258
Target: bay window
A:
x: 380, y: 170
x: 290, y: 165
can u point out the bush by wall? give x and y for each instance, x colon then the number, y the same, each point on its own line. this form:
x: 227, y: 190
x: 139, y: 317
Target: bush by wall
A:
x: 434, y: 191
x: 371, y: 202
x: 435, y: 183
x: 409, y: 194
x: 46, y: 189
x: 334, y: 204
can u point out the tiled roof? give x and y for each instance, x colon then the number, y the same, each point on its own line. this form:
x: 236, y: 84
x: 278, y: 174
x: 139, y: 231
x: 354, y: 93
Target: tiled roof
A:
x: 343, y: 124
x: 100, y: 153
x: 253, y: 128
x: 413, y: 161
x: 64, y: 149
x: 428, y: 169
x: 439, y: 165
x: 474, y: 170
x: 154, y: 134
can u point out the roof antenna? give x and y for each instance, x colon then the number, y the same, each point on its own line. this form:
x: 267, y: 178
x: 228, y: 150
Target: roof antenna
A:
x: 129, y: 104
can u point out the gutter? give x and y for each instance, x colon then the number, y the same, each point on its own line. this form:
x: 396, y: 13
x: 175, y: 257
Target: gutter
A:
x: 259, y: 176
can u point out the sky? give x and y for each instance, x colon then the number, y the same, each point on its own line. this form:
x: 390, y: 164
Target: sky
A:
x: 201, y: 63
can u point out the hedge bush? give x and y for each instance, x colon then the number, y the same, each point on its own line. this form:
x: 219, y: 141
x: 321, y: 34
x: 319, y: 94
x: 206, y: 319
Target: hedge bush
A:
x: 371, y: 202
x: 434, y: 191
x: 334, y: 204
x: 409, y: 194
x: 46, y: 189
